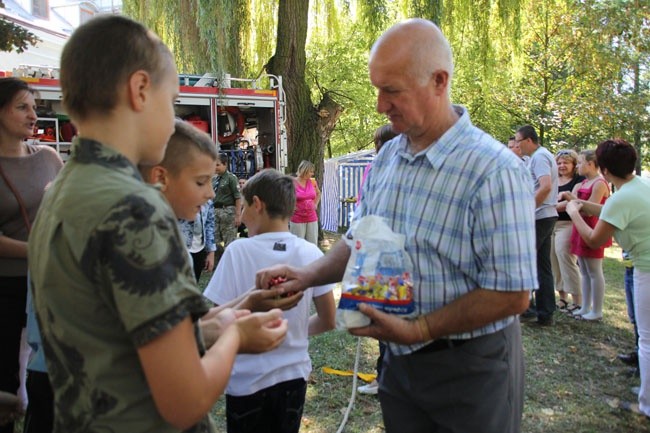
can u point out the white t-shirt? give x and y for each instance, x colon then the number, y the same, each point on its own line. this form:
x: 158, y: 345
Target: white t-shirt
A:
x: 235, y: 275
x: 542, y: 163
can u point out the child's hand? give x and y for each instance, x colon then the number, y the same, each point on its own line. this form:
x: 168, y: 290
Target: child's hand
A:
x: 265, y: 300
x: 566, y: 195
x: 261, y: 332
x: 216, y: 320
x: 209, y: 262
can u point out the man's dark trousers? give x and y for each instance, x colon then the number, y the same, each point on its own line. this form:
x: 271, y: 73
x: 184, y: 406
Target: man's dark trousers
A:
x: 545, y: 295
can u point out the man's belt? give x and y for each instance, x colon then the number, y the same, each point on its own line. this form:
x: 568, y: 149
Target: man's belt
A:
x: 441, y: 344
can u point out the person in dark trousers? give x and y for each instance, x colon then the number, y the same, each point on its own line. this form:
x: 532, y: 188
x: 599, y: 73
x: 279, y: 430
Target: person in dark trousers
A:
x: 631, y: 358
x: 227, y: 206
x: 470, y: 233
x: 543, y: 170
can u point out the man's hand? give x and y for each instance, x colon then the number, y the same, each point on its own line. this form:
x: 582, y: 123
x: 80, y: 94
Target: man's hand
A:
x: 387, y: 327
x: 294, y: 278
x: 261, y: 332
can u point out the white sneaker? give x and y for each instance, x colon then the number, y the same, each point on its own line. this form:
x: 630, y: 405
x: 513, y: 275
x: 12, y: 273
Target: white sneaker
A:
x: 371, y: 389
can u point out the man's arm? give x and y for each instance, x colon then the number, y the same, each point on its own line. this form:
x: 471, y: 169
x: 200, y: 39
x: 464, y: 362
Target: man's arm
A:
x: 486, y: 306
x: 543, y: 191
x: 326, y: 270
x: 238, y: 208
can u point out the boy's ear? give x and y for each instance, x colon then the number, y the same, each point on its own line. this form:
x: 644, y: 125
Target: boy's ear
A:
x: 159, y: 175
x: 258, y: 204
x: 138, y: 85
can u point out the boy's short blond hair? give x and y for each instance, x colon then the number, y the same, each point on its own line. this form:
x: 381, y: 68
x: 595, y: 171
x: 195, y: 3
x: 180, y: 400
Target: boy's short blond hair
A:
x: 183, y: 145
x: 275, y: 190
x: 100, y: 56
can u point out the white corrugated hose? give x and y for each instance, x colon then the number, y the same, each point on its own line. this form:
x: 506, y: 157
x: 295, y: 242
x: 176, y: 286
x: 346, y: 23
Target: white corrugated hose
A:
x: 354, y: 387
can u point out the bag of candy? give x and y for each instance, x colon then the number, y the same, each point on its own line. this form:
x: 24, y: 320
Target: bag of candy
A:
x: 378, y: 273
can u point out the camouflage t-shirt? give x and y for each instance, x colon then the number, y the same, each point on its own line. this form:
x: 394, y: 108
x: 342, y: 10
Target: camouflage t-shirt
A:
x: 109, y: 273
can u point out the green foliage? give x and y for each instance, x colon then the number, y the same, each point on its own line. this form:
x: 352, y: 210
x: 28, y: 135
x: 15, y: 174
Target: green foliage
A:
x: 348, y: 80
x: 263, y: 30
x: 571, y: 74
x: 14, y: 37
x: 373, y: 17
x: 204, y: 35
x: 578, y: 70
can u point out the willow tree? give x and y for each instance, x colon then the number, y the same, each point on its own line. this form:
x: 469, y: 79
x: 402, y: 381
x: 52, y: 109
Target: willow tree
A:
x: 216, y: 36
x: 234, y: 36
x: 476, y: 30
x: 310, y: 126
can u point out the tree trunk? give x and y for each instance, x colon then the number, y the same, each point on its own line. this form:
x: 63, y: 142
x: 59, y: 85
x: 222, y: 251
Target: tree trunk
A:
x: 636, y: 134
x: 308, y: 126
x: 303, y: 141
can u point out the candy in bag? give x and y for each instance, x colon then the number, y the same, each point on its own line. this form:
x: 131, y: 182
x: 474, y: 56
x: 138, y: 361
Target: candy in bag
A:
x: 378, y: 273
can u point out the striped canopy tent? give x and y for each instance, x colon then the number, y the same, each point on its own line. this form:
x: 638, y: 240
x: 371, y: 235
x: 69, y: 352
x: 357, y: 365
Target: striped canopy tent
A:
x: 341, y: 183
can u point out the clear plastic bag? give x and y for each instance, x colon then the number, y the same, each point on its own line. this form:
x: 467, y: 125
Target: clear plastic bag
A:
x: 378, y: 273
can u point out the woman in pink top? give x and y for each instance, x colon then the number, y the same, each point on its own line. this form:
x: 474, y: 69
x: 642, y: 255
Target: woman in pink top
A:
x: 304, y: 222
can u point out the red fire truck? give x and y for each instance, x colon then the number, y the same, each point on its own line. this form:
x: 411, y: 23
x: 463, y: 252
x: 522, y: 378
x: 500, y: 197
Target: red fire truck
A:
x: 245, y: 117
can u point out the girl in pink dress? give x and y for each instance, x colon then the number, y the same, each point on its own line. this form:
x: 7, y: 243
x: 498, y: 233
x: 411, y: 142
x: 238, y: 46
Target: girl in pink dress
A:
x: 304, y: 222
x: 595, y: 189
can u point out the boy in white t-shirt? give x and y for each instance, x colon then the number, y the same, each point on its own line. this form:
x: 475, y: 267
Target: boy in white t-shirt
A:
x: 266, y: 392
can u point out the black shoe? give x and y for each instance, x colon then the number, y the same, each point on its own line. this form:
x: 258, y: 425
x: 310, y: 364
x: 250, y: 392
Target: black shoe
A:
x: 631, y: 359
x: 541, y: 322
x: 527, y: 315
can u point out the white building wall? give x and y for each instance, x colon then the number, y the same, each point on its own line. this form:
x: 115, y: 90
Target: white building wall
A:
x: 64, y: 17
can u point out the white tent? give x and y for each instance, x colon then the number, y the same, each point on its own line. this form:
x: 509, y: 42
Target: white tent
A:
x: 341, y: 183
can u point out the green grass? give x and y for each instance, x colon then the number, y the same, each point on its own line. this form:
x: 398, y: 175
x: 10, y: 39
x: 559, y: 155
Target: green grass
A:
x: 571, y: 371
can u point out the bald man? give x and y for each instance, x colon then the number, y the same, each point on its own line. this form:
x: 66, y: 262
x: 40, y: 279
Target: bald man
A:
x: 464, y: 203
